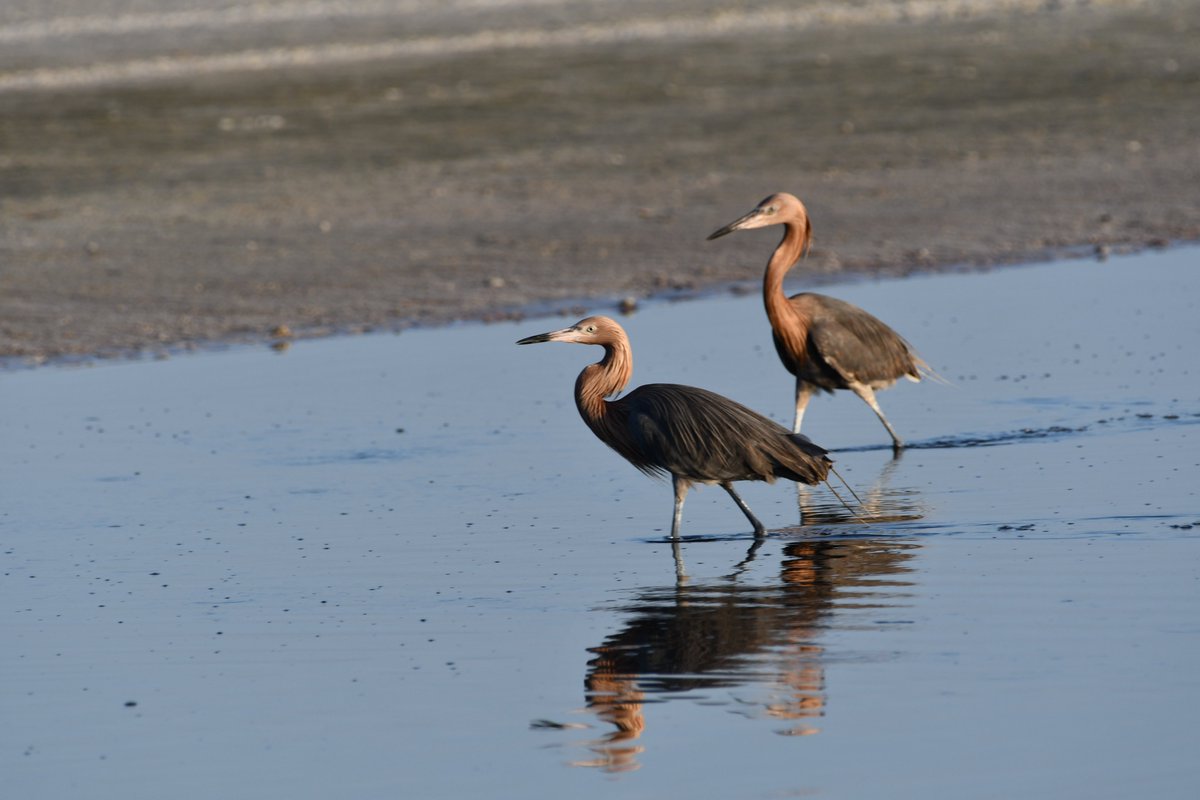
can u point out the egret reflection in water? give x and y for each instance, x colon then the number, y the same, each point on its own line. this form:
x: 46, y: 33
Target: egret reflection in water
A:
x: 880, y: 502
x: 685, y: 639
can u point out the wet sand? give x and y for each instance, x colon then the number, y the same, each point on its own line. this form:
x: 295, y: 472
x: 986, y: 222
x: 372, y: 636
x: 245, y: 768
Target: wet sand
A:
x: 172, y: 179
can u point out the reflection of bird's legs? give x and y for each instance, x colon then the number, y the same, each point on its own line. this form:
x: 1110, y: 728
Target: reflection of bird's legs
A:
x: 681, y: 489
x: 878, y: 491
x: 740, y: 567
x: 802, y: 500
x: 681, y: 576
x: 868, y: 396
x: 759, y: 528
x: 803, y: 395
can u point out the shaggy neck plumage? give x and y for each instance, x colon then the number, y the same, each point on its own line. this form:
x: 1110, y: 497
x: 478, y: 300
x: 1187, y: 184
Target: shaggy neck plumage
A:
x: 790, y: 327
x: 603, y: 379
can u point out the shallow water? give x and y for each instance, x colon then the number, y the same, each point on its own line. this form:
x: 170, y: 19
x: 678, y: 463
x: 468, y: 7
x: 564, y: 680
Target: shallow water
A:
x: 401, y: 565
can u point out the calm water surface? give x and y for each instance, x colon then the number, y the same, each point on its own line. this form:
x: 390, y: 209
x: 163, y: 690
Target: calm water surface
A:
x: 401, y: 566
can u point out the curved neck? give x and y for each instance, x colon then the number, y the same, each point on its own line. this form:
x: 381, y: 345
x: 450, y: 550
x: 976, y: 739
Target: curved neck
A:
x: 603, y: 379
x: 788, y: 325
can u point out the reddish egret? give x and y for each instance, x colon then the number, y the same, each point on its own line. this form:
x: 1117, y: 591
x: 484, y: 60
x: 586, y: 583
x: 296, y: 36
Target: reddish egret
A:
x: 826, y: 343
x: 692, y: 434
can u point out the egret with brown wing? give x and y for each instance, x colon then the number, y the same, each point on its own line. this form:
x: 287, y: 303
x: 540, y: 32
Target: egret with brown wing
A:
x: 828, y: 344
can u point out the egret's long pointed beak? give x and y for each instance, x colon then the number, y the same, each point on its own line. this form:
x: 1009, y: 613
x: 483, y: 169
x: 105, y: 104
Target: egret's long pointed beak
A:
x: 551, y: 336
x: 754, y: 219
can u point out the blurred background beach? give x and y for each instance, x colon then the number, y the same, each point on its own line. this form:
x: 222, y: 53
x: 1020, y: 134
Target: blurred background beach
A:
x: 174, y: 173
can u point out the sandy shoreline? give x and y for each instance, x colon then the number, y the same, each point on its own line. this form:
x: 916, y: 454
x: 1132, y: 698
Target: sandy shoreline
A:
x: 146, y: 215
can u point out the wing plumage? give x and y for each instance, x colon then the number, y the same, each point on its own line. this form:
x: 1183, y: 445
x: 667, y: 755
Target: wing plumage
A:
x: 700, y: 435
x: 853, y: 345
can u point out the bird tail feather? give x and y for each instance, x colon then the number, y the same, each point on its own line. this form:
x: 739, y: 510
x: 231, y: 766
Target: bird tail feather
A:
x: 842, y: 500
x: 926, y: 371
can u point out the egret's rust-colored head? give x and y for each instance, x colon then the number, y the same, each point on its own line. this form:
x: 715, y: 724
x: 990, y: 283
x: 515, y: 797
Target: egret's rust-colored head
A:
x: 778, y: 209
x: 591, y: 330
x: 605, y: 378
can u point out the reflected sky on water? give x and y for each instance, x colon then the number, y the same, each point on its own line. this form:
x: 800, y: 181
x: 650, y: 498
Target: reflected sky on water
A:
x: 401, y: 565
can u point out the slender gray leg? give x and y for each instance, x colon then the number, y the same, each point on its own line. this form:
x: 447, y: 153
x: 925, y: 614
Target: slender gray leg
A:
x: 868, y: 396
x: 759, y: 528
x: 803, y: 395
x: 681, y: 490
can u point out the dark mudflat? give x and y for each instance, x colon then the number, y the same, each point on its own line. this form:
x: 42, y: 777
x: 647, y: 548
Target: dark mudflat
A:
x: 520, y: 156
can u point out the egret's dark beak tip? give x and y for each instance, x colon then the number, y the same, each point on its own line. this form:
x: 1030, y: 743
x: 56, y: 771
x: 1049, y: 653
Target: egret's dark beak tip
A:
x: 717, y: 234
x: 541, y: 337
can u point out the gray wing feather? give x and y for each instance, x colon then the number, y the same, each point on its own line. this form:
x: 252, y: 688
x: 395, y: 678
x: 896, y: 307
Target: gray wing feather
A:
x: 858, y: 346
x: 706, y: 437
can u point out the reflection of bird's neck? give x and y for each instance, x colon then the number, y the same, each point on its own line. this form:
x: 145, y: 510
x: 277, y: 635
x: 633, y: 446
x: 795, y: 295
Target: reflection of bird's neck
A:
x: 603, y: 379
x: 790, y: 327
